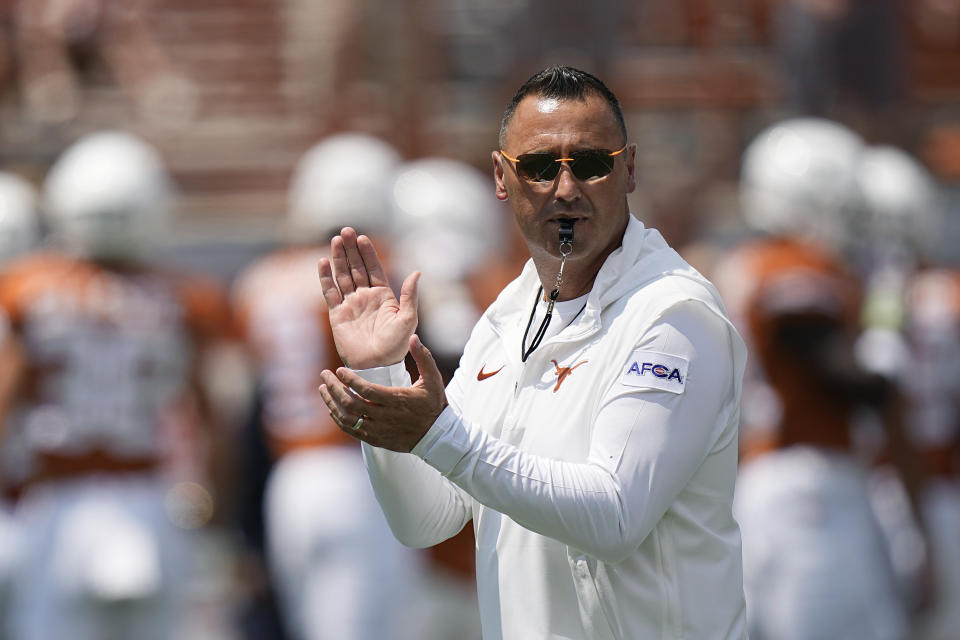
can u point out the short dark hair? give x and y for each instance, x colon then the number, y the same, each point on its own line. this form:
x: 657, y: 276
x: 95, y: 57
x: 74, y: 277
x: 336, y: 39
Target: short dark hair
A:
x: 562, y: 83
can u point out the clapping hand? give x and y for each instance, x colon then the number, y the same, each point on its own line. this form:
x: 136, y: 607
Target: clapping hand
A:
x: 371, y: 328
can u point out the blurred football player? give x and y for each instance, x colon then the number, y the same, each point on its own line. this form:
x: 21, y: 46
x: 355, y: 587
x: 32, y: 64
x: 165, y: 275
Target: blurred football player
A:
x: 19, y: 233
x: 912, y: 320
x: 338, y: 570
x: 933, y: 328
x: 815, y: 563
x: 100, y: 366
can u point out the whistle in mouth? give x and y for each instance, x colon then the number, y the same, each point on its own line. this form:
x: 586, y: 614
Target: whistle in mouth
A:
x: 566, y: 232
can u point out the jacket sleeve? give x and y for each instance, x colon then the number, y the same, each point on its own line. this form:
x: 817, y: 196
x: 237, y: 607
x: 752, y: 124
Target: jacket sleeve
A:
x: 646, y: 445
x: 422, y: 507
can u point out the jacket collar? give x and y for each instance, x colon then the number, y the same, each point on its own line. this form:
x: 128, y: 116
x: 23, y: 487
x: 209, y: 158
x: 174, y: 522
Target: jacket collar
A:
x: 642, y: 256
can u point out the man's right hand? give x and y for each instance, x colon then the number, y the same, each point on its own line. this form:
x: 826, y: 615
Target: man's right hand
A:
x: 371, y: 328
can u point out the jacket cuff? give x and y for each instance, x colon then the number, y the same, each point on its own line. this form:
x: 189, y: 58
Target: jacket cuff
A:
x: 393, y: 375
x: 445, y: 443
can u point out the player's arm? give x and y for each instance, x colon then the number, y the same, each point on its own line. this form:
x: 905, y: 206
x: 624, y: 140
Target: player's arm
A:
x: 12, y: 363
x: 12, y: 367
x: 220, y: 383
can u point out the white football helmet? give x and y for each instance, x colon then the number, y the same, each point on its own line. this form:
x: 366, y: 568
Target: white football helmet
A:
x: 798, y: 176
x: 446, y: 218
x: 109, y: 196
x: 446, y: 223
x: 19, y: 221
x: 901, y: 200
x: 341, y: 181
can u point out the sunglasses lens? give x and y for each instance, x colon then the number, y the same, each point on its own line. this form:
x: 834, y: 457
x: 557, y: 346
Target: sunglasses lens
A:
x: 587, y: 164
x: 538, y: 167
x: 591, y: 164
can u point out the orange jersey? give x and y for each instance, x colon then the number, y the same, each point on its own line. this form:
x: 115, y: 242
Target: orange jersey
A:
x: 765, y: 282
x: 109, y: 357
x: 283, y: 317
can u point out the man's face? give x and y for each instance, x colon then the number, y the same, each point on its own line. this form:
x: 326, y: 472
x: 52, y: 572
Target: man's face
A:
x: 598, y: 206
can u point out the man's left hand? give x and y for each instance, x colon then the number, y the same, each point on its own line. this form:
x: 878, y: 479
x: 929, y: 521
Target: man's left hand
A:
x: 394, y: 418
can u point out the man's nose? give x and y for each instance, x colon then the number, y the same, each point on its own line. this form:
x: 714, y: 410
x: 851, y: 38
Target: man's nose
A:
x: 568, y: 187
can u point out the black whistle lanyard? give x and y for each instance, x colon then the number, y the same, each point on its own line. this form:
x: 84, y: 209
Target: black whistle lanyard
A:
x: 566, y: 248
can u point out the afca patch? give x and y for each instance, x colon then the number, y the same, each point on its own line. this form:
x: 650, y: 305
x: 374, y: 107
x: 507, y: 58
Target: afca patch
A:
x: 652, y: 370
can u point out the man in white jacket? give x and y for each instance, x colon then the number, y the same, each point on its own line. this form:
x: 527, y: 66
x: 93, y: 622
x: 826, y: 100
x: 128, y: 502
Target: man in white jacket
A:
x: 592, y: 439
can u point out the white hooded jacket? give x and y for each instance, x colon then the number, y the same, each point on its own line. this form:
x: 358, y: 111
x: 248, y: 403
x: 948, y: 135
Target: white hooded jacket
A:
x: 599, y: 473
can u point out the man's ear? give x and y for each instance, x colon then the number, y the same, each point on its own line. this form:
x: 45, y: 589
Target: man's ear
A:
x: 501, y: 189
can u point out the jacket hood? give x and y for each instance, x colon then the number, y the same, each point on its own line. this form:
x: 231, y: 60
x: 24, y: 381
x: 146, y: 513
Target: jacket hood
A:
x: 642, y: 257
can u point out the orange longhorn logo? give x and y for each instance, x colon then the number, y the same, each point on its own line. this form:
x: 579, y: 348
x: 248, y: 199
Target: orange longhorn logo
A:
x: 563, y: 372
